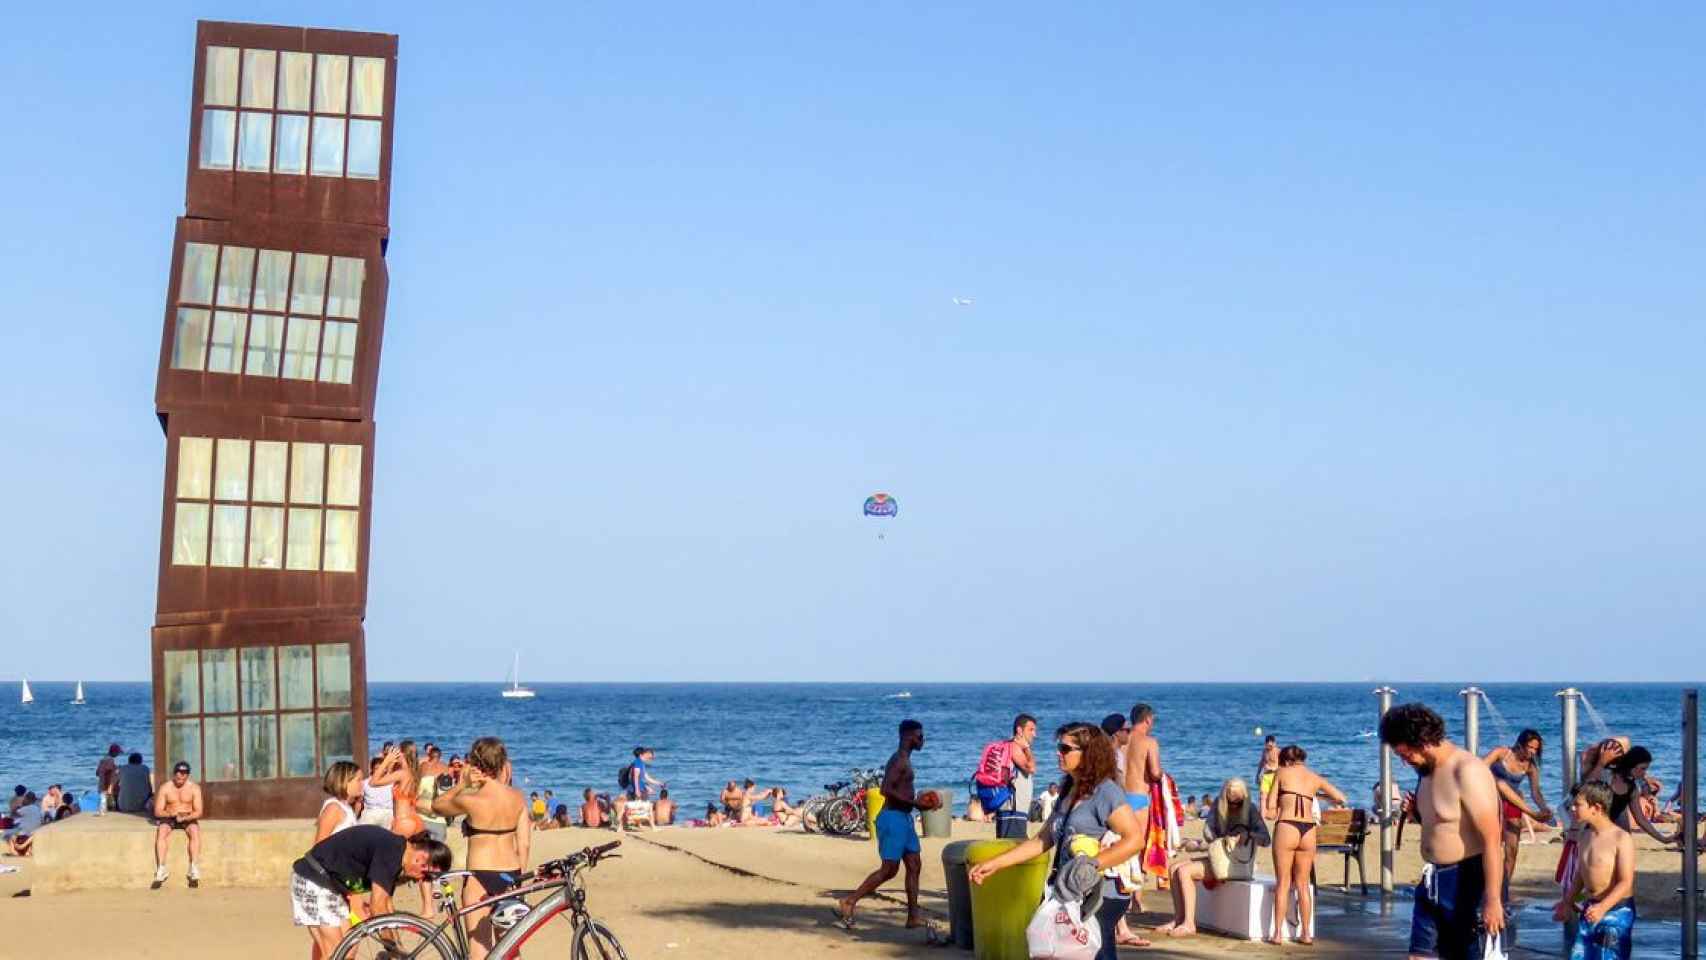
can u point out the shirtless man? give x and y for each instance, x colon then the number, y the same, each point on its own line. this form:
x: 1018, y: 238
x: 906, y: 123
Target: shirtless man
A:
x: 897, y: 839
x: 1459, y: 903
x: 1605, y: 879
x: 177, y: 806
x: 1142, y: 771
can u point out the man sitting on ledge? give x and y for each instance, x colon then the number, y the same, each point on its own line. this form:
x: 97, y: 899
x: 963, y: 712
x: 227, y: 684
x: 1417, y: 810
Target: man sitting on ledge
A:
x: 177, y: 807
x: 135, y: 786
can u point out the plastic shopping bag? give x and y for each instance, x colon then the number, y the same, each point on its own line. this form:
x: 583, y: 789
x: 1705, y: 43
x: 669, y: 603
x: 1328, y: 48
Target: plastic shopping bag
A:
x: 1493, y: 948
x: 1058, y: 931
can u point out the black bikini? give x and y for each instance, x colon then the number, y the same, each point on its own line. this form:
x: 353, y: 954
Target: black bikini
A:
x: 469, y: 830
x: 1304, y: 803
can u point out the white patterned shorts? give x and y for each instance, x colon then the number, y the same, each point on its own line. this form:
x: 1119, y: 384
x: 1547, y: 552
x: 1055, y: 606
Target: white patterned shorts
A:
x: 312, y: 905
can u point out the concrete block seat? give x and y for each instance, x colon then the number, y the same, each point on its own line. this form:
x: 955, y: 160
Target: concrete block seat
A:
x: 1243, y: 909
x: 116, y: 851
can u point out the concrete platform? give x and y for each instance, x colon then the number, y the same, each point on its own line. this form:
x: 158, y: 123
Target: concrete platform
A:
x: 116, y: 852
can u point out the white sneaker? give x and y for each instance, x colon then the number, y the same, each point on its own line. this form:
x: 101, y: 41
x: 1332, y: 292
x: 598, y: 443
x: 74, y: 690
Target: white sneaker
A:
x: 160, y: 874
x: 195, y: 873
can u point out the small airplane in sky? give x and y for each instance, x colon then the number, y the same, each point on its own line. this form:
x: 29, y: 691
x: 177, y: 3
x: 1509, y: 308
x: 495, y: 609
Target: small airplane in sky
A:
x: 963, y: 301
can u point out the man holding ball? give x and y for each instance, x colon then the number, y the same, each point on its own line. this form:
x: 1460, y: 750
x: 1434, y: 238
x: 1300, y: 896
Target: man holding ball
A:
x: 897, y: 839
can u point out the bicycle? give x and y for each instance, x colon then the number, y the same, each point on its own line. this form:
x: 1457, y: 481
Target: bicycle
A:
x: 840, y: 813
x: 405, y: 936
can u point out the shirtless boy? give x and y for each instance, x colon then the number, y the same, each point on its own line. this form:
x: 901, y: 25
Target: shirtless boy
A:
x: 1459, y: 903
x: 177, y: 806
x: 1605, y: 880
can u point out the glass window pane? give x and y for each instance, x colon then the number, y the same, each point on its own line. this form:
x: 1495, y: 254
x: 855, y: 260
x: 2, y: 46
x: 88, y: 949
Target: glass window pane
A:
x: 298, y: 737
x: 290, y: 152
x: 220, y: 740
x: 183, y: 682
x: 228, y: 535
x: 307, y: 472
x: 308, y: 287
x: 232, y: 482
x: 303, y: 552
x: 266, y: 538
x: 347, y: 276
x: 337, y: 352
x: 268, y: 482
x: 219, y: 82
x: 189, y: 344
x: 341, y: 533
x: 337, y: 741
x: 260, y: 747
x: 218, y: 138
x: 183, y: 742
x: 272, y: 280
x: 301, y: 348
x: 364, y: 149
x: 236, y: 267
x: 219, y: 681
x: 195, y: 467
x: 367, y: 93
x: 331, y: 83
x: 266, y: 343
x: 189, y: 535
x: 260, y: 70
x: 334, y: 675
x: 294, y: 69
x: 343, y: 477
x: 225, y: 352
x: 296, y: 677
x: 196, y: 284
x: 328, y: 147
x: 254, y: 142
x: 258, y: 678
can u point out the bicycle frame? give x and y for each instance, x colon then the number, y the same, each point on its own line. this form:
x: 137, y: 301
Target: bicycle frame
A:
x: 566, y: 894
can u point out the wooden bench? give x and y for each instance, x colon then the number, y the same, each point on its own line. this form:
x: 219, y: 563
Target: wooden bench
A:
x: 1344, y: 831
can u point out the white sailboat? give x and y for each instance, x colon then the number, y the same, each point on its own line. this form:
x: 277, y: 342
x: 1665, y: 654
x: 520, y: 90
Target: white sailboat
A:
x: 78, y: 700
x: 516, y: 691
x: 28, y: 697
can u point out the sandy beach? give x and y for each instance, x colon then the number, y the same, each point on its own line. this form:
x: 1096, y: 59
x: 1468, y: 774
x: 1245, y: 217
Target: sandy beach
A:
x: 680, y: 892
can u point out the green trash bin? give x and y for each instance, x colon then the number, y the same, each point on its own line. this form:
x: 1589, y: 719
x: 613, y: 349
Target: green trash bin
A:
x: 940, y: 821
x: 959, y: 892
x: 1002, y: 906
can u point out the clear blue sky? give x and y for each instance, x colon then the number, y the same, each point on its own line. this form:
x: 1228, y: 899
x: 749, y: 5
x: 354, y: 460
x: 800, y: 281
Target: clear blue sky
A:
x: 1324, y: 343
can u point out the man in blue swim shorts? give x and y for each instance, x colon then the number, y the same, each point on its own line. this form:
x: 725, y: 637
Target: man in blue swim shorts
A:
x: 1603, y: 890
x: 1459, y: 909
x: 897, y: 839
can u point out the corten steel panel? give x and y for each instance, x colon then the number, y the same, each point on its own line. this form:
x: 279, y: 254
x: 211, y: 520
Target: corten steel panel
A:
x: 263, y: 799
x: 188, y: 390
x: 229, y: 194
x: 208, y: 594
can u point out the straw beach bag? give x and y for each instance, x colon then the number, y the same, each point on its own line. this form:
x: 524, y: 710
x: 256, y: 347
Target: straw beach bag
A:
x: 1232, y: 858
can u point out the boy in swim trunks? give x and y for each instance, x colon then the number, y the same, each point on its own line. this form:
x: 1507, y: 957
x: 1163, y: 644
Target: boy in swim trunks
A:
x: 1459, y: 903
x: 1604, y: 886
x: 1142, y: 771
x: 897, y: 839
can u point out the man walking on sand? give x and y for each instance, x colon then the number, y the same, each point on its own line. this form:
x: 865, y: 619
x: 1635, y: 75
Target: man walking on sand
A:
x: 1604, y: 885
x: 1459, y: 907
x: 897, y: 839
x: 1142, y: 771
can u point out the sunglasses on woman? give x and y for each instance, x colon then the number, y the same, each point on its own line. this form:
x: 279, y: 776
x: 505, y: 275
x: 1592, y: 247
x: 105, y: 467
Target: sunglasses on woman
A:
x: 1066, y: 748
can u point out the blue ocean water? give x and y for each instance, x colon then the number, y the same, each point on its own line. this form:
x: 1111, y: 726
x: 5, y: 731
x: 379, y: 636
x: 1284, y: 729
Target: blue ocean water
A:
x: 804, y: 735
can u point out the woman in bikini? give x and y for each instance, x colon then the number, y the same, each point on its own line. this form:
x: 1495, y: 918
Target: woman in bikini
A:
x: 1513, y: 766
x: 400, y: 770
x: 1628, y: 776
x: 1295, y: 789
x: 498, y: 829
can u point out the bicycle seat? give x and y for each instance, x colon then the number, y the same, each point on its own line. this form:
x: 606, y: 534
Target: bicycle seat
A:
x: 834, y: 787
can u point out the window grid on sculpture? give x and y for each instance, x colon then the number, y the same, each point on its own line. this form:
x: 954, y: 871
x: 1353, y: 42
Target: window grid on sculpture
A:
x: 259, y: 712
x: 292, y: 113
x: 267, y: 313
x: 267, y: 505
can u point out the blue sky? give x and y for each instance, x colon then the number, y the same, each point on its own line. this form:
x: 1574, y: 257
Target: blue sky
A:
x: 1331, y: 343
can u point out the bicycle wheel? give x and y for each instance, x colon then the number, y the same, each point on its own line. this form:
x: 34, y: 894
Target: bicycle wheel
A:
x: 810, y: 811
x: 594, y: 941
x: 841, y: 817
x: 392, y: 936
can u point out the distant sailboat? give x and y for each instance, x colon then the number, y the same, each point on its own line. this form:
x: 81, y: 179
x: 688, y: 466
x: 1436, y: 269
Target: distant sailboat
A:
x: 28, y: 696
x: 516, y: 691
x: 78, y: 700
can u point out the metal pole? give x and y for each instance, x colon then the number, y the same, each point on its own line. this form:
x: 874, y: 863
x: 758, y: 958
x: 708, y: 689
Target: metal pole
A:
x: 1568, y: 697
x: 1387, y: 834
x: 1690, y: 823
x: 1471, y: 718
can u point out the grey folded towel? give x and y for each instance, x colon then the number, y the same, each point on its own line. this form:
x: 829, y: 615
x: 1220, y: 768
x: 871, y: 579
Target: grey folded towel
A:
x: 1078, y: 878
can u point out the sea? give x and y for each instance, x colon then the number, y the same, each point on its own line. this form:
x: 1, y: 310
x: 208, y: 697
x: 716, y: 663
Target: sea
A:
x: 805, y: 735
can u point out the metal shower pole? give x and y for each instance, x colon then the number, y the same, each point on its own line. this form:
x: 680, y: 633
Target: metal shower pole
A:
x: 1568, y: 697
x: 1387, y: 834
x: 1471, y: 718
x: 1690, y: 823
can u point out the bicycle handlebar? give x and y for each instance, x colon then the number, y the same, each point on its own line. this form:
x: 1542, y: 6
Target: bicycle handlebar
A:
x: 588, y: 857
